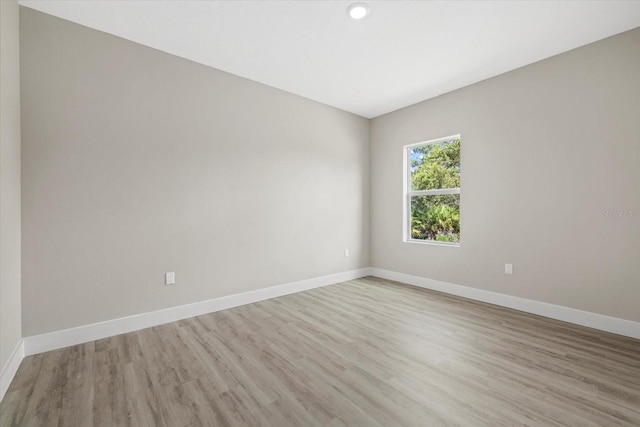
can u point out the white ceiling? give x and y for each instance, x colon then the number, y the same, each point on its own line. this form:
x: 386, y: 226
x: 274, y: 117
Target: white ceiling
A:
x: 402, y: 53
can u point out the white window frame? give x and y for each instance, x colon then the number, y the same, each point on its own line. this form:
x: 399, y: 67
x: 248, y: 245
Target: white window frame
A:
x: 408, y: 193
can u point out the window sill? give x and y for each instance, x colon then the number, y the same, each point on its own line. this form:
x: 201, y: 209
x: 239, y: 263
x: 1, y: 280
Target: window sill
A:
x: 433, y: 243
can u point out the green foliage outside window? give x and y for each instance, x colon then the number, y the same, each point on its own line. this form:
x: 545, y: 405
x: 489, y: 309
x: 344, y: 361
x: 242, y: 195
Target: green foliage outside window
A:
x: 433, y: 167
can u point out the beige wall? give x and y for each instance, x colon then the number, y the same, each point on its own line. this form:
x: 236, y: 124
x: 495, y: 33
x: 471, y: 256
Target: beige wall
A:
x: 10, y: 305
x: 546, y: 149
x: 136, y: 162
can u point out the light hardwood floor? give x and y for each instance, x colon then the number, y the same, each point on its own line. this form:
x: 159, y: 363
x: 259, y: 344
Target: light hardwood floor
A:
x: 367, y: 352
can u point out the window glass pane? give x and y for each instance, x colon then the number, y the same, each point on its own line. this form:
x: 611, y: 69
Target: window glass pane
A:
x: 435, y: 166
x: 436, y: 218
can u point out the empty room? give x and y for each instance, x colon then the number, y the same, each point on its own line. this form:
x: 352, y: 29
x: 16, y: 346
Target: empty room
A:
x: 319, y: 213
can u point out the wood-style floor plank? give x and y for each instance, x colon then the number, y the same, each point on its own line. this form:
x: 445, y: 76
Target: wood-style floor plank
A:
x: 368, y: 352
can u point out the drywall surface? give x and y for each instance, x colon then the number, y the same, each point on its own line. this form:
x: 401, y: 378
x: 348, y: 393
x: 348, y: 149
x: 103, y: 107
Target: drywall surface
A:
x: 550, y: 176
x: 137, y: 163
x: 10, y: 305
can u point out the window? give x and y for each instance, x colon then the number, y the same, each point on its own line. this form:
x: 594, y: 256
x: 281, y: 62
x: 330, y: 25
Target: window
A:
x: 432, y: 191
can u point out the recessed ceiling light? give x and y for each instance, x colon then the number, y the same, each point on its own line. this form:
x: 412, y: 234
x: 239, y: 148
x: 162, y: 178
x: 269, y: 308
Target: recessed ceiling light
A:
x: 358, y: 10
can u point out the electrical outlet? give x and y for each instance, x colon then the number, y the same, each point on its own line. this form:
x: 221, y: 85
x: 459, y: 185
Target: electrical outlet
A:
x: 170, y: 278
x: 346, y: 252
x: 508, y: 269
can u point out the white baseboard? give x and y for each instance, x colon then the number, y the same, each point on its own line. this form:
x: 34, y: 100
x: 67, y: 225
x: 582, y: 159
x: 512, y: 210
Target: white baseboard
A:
x: 59, y: 339
x: 10, y: 368
x: 81, y: 334
x: 615, y: 325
